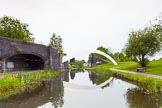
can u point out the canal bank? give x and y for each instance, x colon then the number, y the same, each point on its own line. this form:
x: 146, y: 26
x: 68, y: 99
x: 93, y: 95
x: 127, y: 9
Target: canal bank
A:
x: 153, y: 83
x: 20, y: 82
x: 86, y: 89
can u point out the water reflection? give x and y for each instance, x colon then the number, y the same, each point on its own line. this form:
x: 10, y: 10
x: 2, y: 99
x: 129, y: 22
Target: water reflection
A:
x: 139, y: 98
x: 99, y: 79
x: 51, y: 91
x: 100, y: 91
x: 72, y: 74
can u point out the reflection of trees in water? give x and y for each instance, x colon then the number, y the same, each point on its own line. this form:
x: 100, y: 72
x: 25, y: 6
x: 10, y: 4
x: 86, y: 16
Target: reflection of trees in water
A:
x: 72, y: 75
x: 74, y: 71
x: 93, y: 77
x: 99, y: 78
x: 138, y: 98
x: 52, y: 91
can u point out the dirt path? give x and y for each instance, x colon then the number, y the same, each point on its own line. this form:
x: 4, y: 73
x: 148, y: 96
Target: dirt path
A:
x: 137, y: 73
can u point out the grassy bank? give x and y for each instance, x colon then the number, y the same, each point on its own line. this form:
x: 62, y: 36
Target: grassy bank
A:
x: 131, y: 66
x: 154, y: 67
x: 151, y: 84
x: 23, y: 82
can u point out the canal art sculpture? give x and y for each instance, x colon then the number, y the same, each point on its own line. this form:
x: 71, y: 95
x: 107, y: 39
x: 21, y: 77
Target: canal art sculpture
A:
x: 17, y: 55
x: 107, y: 56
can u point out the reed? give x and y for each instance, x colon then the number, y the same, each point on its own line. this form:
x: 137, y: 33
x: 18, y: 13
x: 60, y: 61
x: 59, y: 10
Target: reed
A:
x: 21, y: 82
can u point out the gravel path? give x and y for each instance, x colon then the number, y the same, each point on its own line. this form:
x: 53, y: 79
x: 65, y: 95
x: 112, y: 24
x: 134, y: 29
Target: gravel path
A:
x: 137, y: 73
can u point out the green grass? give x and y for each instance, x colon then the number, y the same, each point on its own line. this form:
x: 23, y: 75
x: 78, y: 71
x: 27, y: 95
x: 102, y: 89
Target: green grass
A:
x: 131, y: 66
x: 151, y: 84
x: 22, y: 82
x: 154, y: 67
x: 121, y: 65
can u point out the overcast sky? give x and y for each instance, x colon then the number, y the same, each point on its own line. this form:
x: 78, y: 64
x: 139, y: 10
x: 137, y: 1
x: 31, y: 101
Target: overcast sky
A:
x: 83, y: 24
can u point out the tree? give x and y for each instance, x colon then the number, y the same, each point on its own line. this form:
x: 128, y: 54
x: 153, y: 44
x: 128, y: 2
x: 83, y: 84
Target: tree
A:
x: 77, y: 64
x: 56, y: 41
x: 13, y: 28
x: 106, y: 51
x: 103, y: 49
x: 144, y: 43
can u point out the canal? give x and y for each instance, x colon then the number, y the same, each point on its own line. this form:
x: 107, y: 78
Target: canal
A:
x: 85, y: 90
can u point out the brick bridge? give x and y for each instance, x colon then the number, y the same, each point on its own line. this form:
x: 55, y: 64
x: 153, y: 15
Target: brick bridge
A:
x: 17, y: 55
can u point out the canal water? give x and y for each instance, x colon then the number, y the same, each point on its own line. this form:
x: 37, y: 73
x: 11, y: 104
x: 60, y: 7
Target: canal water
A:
x: 85, y: 90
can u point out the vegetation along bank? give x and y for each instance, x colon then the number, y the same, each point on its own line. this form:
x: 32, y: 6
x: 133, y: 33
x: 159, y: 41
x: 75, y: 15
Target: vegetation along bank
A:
x: 151, y: 84
x: 23, y: 82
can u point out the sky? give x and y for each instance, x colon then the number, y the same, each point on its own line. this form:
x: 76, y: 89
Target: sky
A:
x: 83, y: 25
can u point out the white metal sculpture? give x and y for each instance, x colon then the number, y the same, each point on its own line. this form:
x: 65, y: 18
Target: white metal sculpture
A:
x: 107, y: 56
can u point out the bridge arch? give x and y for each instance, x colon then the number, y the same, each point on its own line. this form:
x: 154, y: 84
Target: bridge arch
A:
x: 11, y: 47
x: 23, y: 61
x: 23, y: 52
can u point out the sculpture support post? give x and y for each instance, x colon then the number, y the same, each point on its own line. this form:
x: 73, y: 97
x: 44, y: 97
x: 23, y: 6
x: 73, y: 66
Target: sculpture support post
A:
x: 4, y: 65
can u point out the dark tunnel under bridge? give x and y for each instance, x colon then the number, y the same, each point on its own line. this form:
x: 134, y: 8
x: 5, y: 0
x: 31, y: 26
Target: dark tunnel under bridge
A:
x: 24, y: 62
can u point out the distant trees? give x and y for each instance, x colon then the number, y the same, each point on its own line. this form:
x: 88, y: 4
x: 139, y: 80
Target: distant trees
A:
x: 117, y: 56
x: 13, y: 28
x: 103, y: 49
x: 106, y: 51
x: 77, y: 64
x: 145, y: 42
x: 56, y: 41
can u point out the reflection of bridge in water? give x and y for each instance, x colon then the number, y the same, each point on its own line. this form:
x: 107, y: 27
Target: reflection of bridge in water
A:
x: 86, y: 87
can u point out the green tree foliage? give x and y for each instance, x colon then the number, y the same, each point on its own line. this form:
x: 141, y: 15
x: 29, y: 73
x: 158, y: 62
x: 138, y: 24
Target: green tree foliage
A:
x: 103, y: 49
x: 13, y: 28
x: 56, y: 41
x: 77, y: 64
x: 120, y: 57
x: 144, y: 43
x: 117, y: 56
x: 106, y: 51
x: 72, y: 60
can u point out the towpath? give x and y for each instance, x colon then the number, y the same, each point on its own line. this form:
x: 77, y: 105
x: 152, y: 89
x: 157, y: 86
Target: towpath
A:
x: 137, y: 73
